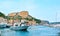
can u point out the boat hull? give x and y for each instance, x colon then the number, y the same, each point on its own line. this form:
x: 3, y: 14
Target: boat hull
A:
x: 19, y: 28
x: 4, y: 26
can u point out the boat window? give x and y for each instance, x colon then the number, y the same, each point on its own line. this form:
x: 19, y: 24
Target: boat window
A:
x: 16, y: 25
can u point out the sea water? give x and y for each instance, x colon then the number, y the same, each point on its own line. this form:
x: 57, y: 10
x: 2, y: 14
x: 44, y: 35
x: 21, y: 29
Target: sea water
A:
x: 32, y: 31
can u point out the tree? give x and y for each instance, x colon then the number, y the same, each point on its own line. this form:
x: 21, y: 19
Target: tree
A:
x: 30, y: 19
x: 17, y: 17
x: 37, y: 20
x: 2, y: 15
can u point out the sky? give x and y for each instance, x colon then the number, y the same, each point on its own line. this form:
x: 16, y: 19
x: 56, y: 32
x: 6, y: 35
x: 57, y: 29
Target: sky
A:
x: 42, y: 9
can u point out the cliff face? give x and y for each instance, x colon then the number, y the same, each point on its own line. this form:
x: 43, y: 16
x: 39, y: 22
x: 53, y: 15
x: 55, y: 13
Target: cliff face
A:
x: 18, y: 16
x: 24, y: 15
x: 12, y: 14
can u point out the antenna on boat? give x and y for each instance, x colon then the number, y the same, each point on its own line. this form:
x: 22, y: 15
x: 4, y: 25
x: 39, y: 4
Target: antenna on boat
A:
x: 56, y: 16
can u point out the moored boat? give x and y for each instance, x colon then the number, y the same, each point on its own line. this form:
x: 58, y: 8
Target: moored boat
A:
x: 4, y: 25
x: 19, y: 27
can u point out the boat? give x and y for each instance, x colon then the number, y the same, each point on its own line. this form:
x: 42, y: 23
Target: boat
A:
x: 4, y: 25
x: 19, y: 27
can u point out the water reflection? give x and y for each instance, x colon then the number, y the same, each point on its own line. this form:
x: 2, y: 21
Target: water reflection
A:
x: 58, y: 33
x: 32, y: 31
x: 14, y: 33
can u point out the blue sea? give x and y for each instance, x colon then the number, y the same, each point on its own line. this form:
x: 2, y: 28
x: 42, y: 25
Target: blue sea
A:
x: 32, y: 31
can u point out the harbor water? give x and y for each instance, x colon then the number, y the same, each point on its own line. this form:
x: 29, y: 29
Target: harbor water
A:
x: 32, y: 31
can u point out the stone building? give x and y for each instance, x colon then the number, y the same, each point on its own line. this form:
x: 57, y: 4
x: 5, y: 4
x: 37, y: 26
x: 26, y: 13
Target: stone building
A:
x: 2, y: 20
x: 32, y: 22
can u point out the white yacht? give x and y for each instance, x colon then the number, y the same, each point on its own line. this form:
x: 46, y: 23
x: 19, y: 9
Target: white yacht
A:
x: 2, y: 25
x: 19, y: 27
